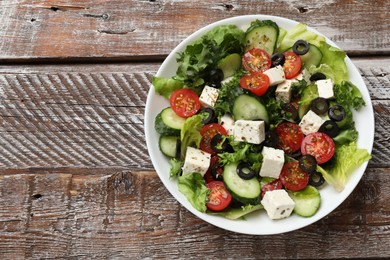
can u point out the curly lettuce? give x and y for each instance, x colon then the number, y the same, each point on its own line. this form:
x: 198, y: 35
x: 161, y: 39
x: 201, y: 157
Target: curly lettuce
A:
x: 194, y: 189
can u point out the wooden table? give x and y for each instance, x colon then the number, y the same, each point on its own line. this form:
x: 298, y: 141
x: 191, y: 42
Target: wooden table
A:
x: 76, y: 180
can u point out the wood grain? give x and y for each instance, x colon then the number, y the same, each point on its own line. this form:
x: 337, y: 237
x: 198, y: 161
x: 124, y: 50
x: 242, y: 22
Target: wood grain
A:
x: 138, y: 30
x: 72, y: 116
x: 92, y: 214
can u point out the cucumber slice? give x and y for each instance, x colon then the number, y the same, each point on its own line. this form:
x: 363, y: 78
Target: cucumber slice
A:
x: 230, y: 64
x: 168, y: 145
x: 263, y: 35
x: 168, y: 122
x: 244, y: 191
x: 307, y: 201
x: 312, y: 57
x: 249, y: 108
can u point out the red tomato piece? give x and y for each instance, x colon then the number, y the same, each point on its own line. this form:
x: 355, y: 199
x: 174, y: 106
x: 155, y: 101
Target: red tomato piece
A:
x: 219, y: 197
x: 208, y: 132
x: 185, y: 102
x: 290, y: 137
x: 292, y: 176
x: 292, y: 65
x: 256, y: 60
x: 319, y: 145
x: 256, y: 82
x: 273, y: 185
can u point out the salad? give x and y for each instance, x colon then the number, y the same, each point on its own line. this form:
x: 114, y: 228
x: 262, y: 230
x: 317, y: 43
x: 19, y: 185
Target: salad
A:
x: 260, y: 118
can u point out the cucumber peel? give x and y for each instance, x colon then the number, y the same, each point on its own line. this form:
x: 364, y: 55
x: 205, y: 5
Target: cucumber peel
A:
x: 307, y: 201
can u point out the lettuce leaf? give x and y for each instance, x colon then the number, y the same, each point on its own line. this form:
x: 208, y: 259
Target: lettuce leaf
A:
x: 346, y: 159
x: 237, y: 213
x: 190, y: 135
x: 165, y: 86
x: 347, y: 94
x: 194, y: 189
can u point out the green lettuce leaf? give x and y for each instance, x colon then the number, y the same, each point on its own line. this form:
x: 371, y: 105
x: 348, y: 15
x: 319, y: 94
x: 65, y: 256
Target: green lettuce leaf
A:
x: 165, y: 86
x: 176, y: 166
x: 190, y: 135
x: 347, y: 94
x: 194, y: 189
x: 237, y: 213
x: 346, y: 159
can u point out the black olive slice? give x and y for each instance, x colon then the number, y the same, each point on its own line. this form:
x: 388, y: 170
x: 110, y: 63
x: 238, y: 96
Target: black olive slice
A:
x: 319, y: 105
x: 316, y: 179
x: 211, y: 117
x: 245, y: 171
x: 336, y: 113
x: 330, y: 128
x: 290, y: 111
x: 277, y: 59
x: 295, y: 154
x: 271, y: 139
x: 216, y: 171
x: 317, y: 76
x: 220, y: 148
x: 215, y: 77
x: 301, y: 47
x: 308, y: 163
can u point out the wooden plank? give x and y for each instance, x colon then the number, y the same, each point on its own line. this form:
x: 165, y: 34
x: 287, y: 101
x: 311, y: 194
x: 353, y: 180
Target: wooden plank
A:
x: 92, y: 116
x: 88, y: 214
x: 135, y: 30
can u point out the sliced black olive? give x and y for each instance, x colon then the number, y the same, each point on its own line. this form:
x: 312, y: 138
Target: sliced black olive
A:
x: 295, y: 154
x: 215, y: 144
x: 215, y: 77
x: 245, y: 171
x: 317, y: 76
x: 277, y: 59
x: 301, y: 47
x: 216, y: 172
x: 319, y: 105
x: 290, y: 111
x: 178, y: 148
x: 330, y: 128
x: 308, y: 163
x: 211, y: 117
x: 271, y: 139
x: 336, y: 113
x: 316, y: 179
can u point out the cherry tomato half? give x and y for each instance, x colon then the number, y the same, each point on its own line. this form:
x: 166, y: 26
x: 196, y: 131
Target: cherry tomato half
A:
x: 185, y: 102
x: 219, y: 197
x: 292, y: 176
x: 292, y: 65
x: 208, y: 177
x: 319, y: 145
x: 273, y: 185
x: 256, y: 82
x: 256, y: 60
x: 290, y: 137
x: 208, y: 132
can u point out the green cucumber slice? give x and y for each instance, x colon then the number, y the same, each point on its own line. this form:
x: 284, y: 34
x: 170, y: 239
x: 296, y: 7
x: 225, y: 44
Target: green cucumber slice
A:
x: 168, y: 145
x: 307, y: 201
x: 230, y: 64
x: 263, y: 35
x: 244, y: 191
x: 249, y: 108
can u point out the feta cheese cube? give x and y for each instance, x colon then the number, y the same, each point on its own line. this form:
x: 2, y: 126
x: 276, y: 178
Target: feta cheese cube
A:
x: 310, y: 123
x: 209, y: 96
x: 278, y: 204
x: 325, y: 88
x: 275, y: 75
x: 196, y: 161
x: 249, y: 131
x: 228, y: 123
x: 304, y: 75
x: 273, y: 160
x: 283, y: 91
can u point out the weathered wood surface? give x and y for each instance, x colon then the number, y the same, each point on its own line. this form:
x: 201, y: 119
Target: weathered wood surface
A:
x: 75, y: 177
x: 134, y: 30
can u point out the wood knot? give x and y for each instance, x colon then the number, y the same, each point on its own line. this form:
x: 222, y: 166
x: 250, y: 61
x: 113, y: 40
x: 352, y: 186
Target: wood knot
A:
x: 37, y: 196
x: 303, y: 9
x: 121, y: 178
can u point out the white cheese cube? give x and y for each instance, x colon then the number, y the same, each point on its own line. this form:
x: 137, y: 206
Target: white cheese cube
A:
x: 310, y: 123
x: 209, y: 96
x: 283, y: 91
x: 249, y: 131
x: 304, y: 75
x: 275, y: 75
x: 278, y: 204
x: 196, y: 161
x: 273, y: 160
x: 325, y: 88
x: 228, y: 123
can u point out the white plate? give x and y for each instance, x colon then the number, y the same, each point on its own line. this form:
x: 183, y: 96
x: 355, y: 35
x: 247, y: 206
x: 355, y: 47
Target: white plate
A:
x: 256, y: 223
